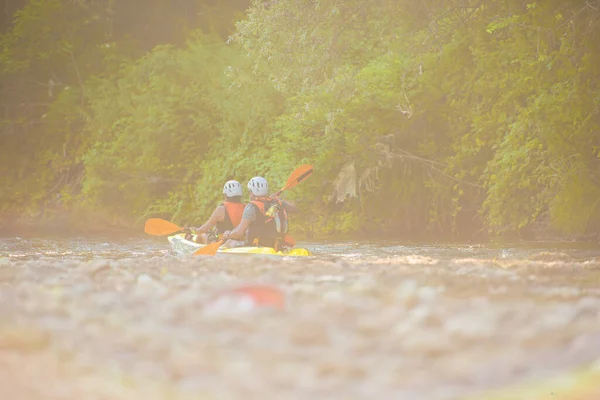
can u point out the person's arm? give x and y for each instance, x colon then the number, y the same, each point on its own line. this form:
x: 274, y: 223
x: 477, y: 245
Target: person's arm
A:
x: 239, y: 231
x: 289, y: 206
x: 217, y: 215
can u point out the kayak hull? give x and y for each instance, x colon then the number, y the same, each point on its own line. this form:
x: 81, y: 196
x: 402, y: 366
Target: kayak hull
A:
x: 185, y: 247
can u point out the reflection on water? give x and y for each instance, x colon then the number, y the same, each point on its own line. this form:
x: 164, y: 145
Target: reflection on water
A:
x: 128, y: 319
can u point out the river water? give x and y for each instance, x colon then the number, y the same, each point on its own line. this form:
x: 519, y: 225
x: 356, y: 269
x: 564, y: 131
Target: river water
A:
x: 113, y: 318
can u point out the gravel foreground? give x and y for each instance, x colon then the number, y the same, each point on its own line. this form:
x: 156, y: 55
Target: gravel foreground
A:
x: 408, y: 327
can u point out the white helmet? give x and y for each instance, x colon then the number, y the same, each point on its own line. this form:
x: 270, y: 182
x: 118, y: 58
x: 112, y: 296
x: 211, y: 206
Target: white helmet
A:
x: 232, y: 188
x: 259, y: 186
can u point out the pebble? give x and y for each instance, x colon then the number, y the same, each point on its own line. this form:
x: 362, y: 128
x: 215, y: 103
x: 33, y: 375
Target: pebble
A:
x: 145, y: 285
x: 197, y: 328
x: 23, y: 338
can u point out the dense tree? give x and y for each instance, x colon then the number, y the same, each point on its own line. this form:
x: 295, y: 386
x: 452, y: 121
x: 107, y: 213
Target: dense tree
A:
x: 448, y: 118
x: 446, y: 104
x: 53, y: 50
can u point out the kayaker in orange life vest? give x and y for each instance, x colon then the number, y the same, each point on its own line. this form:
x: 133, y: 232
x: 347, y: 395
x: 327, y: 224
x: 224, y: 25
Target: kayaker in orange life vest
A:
x: 226, y: 216
x: 264, y: 221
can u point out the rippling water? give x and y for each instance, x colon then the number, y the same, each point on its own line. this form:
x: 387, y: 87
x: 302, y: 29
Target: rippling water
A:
x: 127, y: 319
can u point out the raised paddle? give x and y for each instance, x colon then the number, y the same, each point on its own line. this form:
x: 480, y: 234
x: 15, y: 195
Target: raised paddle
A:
x: 161, y: 227
x: 299, y: 174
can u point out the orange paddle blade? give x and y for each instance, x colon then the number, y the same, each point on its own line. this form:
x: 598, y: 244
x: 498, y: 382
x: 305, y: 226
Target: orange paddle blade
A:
x: 209, y: 249
x: 299, y: 174
x: 159, y: 227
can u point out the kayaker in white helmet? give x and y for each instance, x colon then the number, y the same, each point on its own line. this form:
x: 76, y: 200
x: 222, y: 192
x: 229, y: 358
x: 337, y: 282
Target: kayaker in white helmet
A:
x: 264, y: 220
x: 226, y: 216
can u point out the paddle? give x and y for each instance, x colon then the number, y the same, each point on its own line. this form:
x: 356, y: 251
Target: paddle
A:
x: 209, y: 249
x: 160, y: 227
x: 299, y: 174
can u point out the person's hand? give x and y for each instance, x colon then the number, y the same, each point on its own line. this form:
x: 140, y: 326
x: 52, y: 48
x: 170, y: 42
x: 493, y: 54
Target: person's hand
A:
x: 225, y: 235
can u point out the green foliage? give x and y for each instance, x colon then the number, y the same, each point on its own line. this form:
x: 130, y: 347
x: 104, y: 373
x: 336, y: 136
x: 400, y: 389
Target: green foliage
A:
x: 44, y: 59
x: 149, y: 126
x: 50, y: 59
x: 444, y: 118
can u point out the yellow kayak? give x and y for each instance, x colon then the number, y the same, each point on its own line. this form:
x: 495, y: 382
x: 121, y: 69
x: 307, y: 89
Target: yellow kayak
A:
x: 183, y: 247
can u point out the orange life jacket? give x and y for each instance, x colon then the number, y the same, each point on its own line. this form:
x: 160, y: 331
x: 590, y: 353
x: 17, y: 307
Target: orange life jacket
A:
x: 263, y: 231
x: 233, y: 216
x: 234, y: 211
